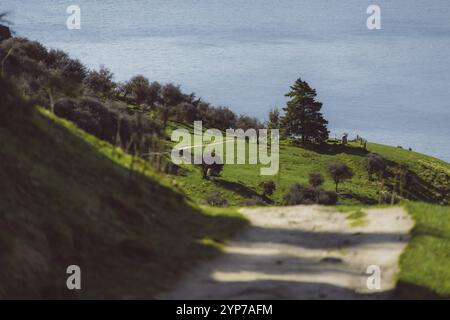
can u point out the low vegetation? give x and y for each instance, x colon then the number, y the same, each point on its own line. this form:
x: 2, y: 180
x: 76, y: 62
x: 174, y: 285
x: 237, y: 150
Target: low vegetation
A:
x: 238, y: 183
x: 425, y: 271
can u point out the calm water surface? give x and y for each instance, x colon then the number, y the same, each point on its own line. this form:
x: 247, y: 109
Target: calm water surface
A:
x: 391, y: 85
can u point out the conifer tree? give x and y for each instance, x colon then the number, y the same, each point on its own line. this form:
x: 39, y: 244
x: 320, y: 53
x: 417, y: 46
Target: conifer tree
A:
x: 302, y: 114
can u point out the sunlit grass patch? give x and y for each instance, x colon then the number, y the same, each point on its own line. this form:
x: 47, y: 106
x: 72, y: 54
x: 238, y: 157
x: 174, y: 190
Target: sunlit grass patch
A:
x: 426, y: 261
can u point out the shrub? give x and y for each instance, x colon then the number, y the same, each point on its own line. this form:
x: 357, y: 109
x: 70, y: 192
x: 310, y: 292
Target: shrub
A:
x: 26, y: 48
x: 375, y: 164
x: 246, y: 122
x: 300, y: 194
x: 90, y: 115
x: 316, y: 179
x: 220, y: 118
x: 339, y: 171
x: 327, y: 197
x: 216, y: 199
x: 268, y: 187
x: 185, y: 112
x: 138, y: 86
x: 43, y: 75
x: 154, y: 94
x: 71, y: 69
x: 101, y: 81
x: 171, y: 95
x: 103, y: 120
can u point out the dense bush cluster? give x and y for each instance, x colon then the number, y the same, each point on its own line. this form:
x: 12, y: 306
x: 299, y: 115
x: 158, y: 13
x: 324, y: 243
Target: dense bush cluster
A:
x: 90, y: 98
x: 133, y: 115
x: 339, y: 172
x: 314, y: 193
x: 43, y: 75
x: 170, y: 103
x: 110, y: 121
x: 101, y: 82
x: 301, y: 194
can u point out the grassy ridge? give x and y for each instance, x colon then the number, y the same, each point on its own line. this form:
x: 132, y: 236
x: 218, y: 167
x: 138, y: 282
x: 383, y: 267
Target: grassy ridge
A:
x: 69, y: 198
x: 425, y: 263
x: 240, y: 182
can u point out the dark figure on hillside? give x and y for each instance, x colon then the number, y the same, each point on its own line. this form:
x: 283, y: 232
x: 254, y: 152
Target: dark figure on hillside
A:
x: 344, y: 139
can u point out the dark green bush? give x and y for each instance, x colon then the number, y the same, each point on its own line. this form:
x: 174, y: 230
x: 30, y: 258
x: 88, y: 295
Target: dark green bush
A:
x: 300, y: 194
x: 327, y: 197
x: 268, y: 187
x: 316, y: 179
x: 102, y: 120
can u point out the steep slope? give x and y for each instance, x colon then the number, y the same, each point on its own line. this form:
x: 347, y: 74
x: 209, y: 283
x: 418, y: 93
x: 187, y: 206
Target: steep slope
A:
x: 67, y: 198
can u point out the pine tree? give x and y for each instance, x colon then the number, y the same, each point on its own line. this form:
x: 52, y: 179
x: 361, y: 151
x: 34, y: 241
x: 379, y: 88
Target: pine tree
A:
x: 302, y: 114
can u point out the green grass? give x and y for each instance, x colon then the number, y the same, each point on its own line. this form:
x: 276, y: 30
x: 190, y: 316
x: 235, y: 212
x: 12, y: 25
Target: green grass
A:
x: 426, y: 261
x: 356, y: 215
x: 357, y: 218
x: 69, y: 198
x: 241, y: 182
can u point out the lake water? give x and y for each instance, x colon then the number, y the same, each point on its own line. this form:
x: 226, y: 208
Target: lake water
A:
x: 391, y: 85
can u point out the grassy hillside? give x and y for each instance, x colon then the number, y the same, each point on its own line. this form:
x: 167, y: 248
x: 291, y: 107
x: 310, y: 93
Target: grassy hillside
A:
x: 430, y: 177
x: 69, y: 198
x: 425, y: 263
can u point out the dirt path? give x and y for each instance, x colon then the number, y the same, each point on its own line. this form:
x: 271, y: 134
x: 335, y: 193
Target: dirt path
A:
x: 303, y: 252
